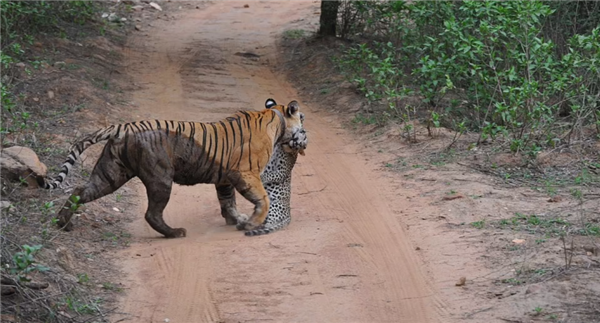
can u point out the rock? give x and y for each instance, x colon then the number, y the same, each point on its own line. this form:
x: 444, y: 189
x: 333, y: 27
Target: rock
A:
x: 591, y: 250
x: 555, y: 199
x: 50, y: 94
x: 38, y: 44
x: 518, y: 241
x: 461, y: 281
x: 138, y: 27
x: 60, y: 65
x: 66, y: 259
x: 5, y: 205
x: 20, y: 64
x: 112, y: 17
x: 246, y: 6
x: 197, y: 7
x: 155, y: 6
x: 533, y: 289
x: 21, y: 162
x: 138, y: 19
x: 452, y: 197
x: 123, y: 19
x: 138, y: 8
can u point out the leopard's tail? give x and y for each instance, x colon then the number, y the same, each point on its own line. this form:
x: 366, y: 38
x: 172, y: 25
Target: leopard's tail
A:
x: 76, y: 151
x: 263, y: 229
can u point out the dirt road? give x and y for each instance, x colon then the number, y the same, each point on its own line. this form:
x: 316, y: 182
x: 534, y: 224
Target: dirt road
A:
x: 344, y: 258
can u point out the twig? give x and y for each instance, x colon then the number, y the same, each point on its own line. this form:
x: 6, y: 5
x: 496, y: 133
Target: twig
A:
x: 478, y: 311
x: 33, y: 300
x: 310, y: 192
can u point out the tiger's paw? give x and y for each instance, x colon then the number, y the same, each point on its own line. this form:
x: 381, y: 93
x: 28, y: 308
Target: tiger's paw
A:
x: 177, y: 233
x: 242, y: 219
x: 247, y: 226
x: 230, y: 221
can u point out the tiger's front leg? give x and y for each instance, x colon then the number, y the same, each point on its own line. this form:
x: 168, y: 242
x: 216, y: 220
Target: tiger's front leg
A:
x: 226, y: 195
x: 251, y: 188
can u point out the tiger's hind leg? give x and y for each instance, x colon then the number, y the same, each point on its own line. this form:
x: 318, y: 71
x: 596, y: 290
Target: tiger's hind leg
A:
x: 226, y: 195
x: 159, y: 193
x: 107, y: 177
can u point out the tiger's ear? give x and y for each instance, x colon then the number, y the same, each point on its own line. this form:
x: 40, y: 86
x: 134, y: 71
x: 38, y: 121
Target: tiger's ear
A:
x: 292, y: 108
x: 270, y: 103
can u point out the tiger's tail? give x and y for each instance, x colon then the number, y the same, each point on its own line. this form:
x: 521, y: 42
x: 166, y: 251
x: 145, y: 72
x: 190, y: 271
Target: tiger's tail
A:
x: 263, y: 229
x: 76, y: 151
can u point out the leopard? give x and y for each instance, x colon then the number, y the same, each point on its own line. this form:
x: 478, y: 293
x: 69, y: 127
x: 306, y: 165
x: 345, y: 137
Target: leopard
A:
x: 277, y: 180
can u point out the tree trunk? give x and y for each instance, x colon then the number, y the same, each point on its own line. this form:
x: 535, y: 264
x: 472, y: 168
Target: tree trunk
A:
x: 329, y: 10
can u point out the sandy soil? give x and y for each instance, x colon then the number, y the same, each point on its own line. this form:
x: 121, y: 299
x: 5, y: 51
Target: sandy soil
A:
x: 344, y: 258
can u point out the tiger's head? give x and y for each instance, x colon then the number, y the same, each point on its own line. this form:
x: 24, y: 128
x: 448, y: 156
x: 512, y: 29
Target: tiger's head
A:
x: 294, y: 138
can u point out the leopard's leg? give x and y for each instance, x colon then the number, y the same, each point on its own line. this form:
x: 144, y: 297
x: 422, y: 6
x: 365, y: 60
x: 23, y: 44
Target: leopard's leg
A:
x: 226, y: 195
x: 251, y: 188
x: 107, y: 177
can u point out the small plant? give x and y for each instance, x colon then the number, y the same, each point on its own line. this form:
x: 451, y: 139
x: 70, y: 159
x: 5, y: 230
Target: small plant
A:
x: 512, y: 281
x: 538, y: 310
x: 478, y: 224
x: 25, y: 262
x: 294, y: 33
x: 83, y: 278
x: 47, y: 208
x: 74, y: 201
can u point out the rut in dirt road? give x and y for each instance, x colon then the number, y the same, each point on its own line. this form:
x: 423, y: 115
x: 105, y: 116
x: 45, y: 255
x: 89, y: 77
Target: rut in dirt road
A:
x: 344, y: 258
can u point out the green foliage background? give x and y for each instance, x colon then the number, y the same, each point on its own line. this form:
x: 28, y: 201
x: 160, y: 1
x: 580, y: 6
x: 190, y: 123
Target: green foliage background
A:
x: 528, y: 71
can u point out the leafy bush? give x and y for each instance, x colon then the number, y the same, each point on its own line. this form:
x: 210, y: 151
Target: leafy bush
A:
x: 485, y: 65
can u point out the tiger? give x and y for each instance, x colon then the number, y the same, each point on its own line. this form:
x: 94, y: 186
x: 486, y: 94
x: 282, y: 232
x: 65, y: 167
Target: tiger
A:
x: 230, y: 153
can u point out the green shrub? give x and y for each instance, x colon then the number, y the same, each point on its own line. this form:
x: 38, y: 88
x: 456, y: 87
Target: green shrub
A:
x: 483, y: 64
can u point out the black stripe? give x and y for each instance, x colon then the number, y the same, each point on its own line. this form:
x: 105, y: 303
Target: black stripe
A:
x: 239, y: 122
x: 192, y: 131
x: 136, y: 126
x: 167, y: 127
x: 118, y: 131
x: 226, y: 137
x: 178, y: 131
x: 144, y: 125
x: 274, y: 115
x: 222, y: 155
x: 172, y: 124
x: 214, y: 155
x: 157, y: 124
x: 250, y: 146
x: 203, y: 150
x: 232, y: 144
x: 124, y: 154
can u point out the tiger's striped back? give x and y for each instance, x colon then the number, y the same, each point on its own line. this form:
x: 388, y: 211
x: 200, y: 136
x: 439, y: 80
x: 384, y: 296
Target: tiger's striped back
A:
x: 229, y: 144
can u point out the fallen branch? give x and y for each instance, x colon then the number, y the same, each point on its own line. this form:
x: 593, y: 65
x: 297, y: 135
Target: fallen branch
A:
x: 5, y: 280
